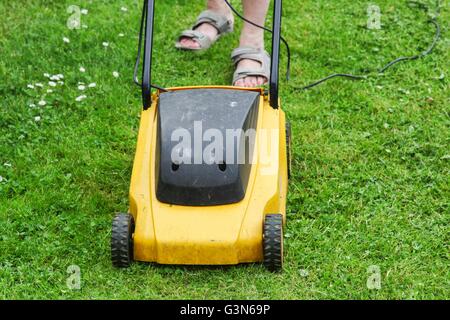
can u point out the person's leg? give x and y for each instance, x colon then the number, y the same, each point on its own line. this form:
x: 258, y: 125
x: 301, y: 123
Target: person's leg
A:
x: 251, y: 36
x: 218, y: 6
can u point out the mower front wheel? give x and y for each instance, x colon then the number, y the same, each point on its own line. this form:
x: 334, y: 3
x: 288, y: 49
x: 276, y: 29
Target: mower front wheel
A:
x: 273, y: 242
x: 122, y: 240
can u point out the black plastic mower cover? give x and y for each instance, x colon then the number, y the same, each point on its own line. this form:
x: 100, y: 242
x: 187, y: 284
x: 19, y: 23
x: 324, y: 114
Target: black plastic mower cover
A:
x: 190, y: 173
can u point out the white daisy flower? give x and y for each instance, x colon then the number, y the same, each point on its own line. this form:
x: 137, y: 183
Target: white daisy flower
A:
x: 303, y: 273
x: 124, y: 9
x: 42, y: 103
x: 66, y: 40
x: 32, y: 105
x: 52, y: 84
x: 92, y: 85
x: 56, y: 77
x: 30, y: 86
x: 82, y: 69
x: 49, y: 91
x: 115, y: 74
x: 7, y: 164
x: 46, y: 75
x: 37, y: 118
x: 105, y: 44
x: 80, y: 98
x: 121, y: 35
x: 61, y: 82
x: 81, y: 87
x: 40, y: 85
x: 84, y: 11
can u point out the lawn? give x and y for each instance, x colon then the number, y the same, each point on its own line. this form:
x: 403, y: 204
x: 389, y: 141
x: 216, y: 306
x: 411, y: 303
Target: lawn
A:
x: 370, y: 184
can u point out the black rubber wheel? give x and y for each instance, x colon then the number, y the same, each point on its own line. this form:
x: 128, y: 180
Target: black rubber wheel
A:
x: 273, y: 242
x: 122, y: 240
x: 288, y: 148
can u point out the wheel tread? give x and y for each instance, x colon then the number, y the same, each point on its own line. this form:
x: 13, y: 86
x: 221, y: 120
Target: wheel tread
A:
x: 121, y: 240
x: 273, y: 242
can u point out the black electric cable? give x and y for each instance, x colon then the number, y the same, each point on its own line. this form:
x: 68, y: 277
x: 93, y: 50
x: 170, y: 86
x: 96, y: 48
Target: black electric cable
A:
x: 420, y: 55
x: 348, y: 75
x: 436, y: 38
x: 334, y: 75
x: 138, y: 56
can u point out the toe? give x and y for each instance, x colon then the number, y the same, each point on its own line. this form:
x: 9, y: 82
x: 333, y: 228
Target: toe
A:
x: 261, y: 81
x: 251, y: 81
x: 184, y: 43
x: 193, y: 44
x: 189, y: 43
x: 248, y: 82
x: 239, y: 83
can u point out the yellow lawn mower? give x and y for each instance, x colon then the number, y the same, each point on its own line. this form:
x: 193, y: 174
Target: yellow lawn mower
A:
x: 210, y: 173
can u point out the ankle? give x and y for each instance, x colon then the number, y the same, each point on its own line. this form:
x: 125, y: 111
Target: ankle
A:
x: 252, y: 39
x: 221, y: 8
x: 252, y: 43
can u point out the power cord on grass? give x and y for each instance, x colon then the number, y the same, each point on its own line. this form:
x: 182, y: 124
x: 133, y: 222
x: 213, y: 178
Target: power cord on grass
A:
x: 390, y: 64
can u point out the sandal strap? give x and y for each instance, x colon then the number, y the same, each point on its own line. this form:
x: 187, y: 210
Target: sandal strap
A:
x: 258, y: 55
x: 218, y: 21
x: 203, y: 40
x: 242, y: 53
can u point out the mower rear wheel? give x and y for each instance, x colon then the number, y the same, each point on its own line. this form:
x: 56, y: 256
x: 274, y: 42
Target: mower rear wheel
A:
x: 273, y: 242
x: 122, y: 240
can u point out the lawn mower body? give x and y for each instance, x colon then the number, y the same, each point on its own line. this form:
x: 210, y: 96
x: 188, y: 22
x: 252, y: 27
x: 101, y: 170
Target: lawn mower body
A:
x: 193, y: 204
x: 205, y: 234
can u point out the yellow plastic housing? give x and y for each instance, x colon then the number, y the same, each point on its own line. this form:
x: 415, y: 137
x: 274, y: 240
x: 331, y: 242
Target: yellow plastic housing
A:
x: 208, y: 235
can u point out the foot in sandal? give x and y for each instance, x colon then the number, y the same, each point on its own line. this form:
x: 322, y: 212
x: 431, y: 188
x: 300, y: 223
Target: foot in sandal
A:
x: 209, y: 27
x: 251, y: 61
x: 252, y: 67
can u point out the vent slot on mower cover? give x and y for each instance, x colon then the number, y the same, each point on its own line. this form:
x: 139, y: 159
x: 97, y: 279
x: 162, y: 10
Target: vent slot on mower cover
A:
x: 199, y: 180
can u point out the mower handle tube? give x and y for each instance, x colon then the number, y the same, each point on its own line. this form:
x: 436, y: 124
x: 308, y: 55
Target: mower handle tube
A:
x: 275, y: 55
x: 149, y: 10
x: 149, y: 7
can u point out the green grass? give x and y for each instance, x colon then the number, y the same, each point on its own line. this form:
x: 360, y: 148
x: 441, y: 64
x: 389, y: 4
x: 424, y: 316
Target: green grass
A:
x: 370, y: 179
